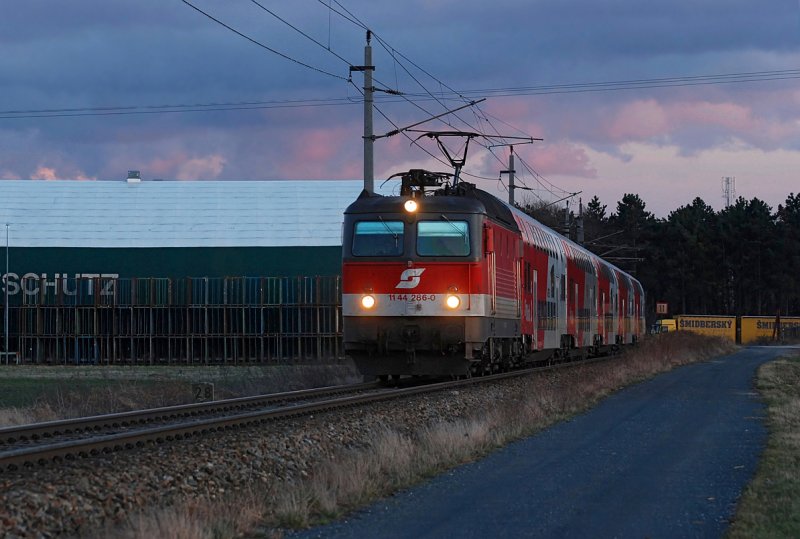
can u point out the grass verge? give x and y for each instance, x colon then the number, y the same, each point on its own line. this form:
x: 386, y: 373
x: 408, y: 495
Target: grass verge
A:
x: 43, y: 393
x: 397, y: 459
x: 770, y: 505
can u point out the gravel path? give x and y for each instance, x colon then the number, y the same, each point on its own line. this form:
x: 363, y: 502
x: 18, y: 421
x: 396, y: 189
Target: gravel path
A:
x: 665, y: 458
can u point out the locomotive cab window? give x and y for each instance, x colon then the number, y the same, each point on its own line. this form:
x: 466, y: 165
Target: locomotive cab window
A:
x: 378, y: 238
x: 443, y: 238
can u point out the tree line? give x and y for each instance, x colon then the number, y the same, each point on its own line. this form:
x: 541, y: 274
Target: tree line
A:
x: 741, y: 260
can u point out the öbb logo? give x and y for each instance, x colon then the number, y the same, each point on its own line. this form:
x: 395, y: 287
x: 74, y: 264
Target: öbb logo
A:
x: 410, y: 278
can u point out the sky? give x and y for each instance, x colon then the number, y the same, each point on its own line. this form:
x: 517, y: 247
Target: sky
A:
x: 84, y: 85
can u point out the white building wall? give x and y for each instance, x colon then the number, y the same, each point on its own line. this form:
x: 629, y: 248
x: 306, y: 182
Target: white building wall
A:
x: 65, y: 213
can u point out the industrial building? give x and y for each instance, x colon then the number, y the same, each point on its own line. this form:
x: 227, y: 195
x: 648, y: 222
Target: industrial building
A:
x: 172, y: 271
x: 174, y: 228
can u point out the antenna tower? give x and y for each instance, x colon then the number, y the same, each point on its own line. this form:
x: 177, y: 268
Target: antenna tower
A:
x: 728, y: 190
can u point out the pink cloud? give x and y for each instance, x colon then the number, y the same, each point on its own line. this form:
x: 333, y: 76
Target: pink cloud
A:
x: 648, y: 119
x: 319, y: 153
x: 44, y: 173
x: 201, y: 168
x: 640, y: 119
x: 9, y: 175
x: 68, y: 172
x: 320, y: 144
x: 730, y: 115
x: 164, y: 167
x: 175, y: 165
x: 516, y: 112
x: 562, y: 158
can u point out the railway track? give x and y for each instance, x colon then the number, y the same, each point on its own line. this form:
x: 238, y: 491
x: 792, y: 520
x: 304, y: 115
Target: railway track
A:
x: 17, y: 439
x: 54, y: 441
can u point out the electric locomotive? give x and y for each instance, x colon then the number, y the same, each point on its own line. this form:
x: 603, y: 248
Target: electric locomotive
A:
x: 446, y: 279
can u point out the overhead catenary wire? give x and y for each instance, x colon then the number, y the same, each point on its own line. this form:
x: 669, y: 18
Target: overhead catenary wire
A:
x: 213, y: 106
x: 186, y: 109
x: 194, y: 107
x: 442, y: 84
x: 355, y: 20
x: 263, y: 46
x: 416, y: 143
x: 631, y: 84
x: 301, y: 32
x: 350, y: 19
x: 435, y: 98
x: 393, y: 52
x: 535, y: 175
x: 429, y: 93
x: 553, y: 189
x: 397, y: 128
x: 446, y: 92
x: 539, y: 177
x: 437, y: 117
x: 387, y: 47
x: 306, y: 35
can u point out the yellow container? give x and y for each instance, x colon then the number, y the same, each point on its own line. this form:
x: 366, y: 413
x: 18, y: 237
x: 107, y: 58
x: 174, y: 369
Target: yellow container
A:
x: 756, y: 328
x: 666, y: 325
x: 717, y: 326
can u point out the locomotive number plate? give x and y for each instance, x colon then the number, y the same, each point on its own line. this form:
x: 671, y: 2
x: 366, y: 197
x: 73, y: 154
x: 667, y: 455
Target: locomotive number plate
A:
x: 412, y: 297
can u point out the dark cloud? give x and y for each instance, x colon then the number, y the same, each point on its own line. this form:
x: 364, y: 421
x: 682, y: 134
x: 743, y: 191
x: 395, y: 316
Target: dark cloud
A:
x: 94, y: 53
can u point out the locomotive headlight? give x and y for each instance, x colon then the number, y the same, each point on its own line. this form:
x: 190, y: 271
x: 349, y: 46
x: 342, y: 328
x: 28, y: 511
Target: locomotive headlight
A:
x: 411, y: 206
x: 453, y: 301
x: 368, y: 302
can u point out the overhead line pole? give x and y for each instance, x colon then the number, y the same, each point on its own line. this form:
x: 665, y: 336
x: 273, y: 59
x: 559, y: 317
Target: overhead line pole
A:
x: 369, y: 141
x: 369, y: 137
x: 511, y: 176
x: 511, y: 185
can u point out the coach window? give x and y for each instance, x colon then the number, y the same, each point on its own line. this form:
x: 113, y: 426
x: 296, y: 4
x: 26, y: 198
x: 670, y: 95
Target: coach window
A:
x: 378, y: 238
x: 443, y: 238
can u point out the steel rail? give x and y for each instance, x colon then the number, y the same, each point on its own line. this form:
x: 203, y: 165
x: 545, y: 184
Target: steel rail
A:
x: 49, y: 429
x: 41, y: 454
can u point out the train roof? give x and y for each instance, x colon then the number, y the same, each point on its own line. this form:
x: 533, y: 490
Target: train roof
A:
x: 68, y: 213
x: 469, y: 200
x: 583, y: 253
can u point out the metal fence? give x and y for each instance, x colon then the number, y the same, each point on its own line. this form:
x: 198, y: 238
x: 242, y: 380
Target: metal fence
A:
x: 235, y: 320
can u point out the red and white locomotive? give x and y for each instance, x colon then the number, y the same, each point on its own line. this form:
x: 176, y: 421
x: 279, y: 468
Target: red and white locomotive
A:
x: 451, y: 280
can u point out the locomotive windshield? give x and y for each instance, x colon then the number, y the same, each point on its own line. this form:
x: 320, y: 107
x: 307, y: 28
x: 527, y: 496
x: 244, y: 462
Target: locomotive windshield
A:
x: 378, y: 238
x: 443, y: 238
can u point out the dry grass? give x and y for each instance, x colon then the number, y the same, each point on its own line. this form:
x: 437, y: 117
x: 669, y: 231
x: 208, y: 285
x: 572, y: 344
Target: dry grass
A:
x: 770, y: 505
x: 395, y: 460
x: 62, y: 400
x: 195, y: 520
x: 95, y: 391
x: 18, y: 416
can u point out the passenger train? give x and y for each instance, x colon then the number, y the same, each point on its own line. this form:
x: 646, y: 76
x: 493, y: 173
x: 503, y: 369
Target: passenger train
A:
x: 446, y: 279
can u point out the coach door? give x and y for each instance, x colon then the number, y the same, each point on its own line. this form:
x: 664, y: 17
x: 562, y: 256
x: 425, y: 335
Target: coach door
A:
x: 572, y: 307
x: 615, y: 329
x: 534, y: 303
x: 602, y: 325
x: 491, y: 262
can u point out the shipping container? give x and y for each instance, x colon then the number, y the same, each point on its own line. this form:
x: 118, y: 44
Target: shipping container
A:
x: 756, y: 329
x: 717, y: 326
